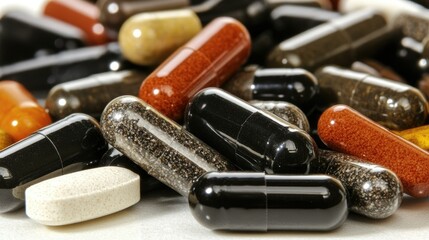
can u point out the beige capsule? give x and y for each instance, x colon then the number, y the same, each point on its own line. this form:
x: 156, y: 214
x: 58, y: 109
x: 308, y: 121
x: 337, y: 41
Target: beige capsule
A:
x: 149, y: 38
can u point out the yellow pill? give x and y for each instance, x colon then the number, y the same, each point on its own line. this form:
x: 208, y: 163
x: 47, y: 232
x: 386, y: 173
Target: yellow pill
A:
x: 418, y: 136
x: 5, y: 139
x: 149, y: 38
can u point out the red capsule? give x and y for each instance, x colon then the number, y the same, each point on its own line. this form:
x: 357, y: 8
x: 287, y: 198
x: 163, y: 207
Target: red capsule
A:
x: 20, y: 114
x: 207, y: 60
x: 345, y: 130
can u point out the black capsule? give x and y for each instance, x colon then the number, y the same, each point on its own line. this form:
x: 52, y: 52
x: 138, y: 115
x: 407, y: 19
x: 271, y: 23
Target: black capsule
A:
x: 259, y: 202
x: 45, y: 72
x: 71, y: 144
x: 296, y: 86
x: 113, y: 157
x: 340, y: 41
x: 90, y: 95
x: 250, y: 138
x: 23, y: 36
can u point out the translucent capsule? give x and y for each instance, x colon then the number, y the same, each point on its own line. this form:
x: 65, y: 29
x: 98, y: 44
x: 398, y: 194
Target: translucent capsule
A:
x: 260, y: 202
x: 297, y: 86
x: 158, y: 145
x: 149, y: 38
x: 208, y: 59
x: 372, y: 190
x: 414, y: 25
x: 340, y: 41
x: 5, y: 139
x: 250, y: 138
x: 345, y: 130
x: 376, y: 69
x: 418, y: 136
x: 20, y: 114
x: 90, y: 95
x: 393, y: 105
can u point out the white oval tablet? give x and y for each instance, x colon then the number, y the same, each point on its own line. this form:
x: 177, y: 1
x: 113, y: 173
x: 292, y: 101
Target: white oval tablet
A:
x: 82, y: 195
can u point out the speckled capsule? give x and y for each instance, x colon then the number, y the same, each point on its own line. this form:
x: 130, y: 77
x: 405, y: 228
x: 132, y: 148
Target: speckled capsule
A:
x: 286, y: 111
x: 160, y: 146
x: 343, y: 129
x: 90, y: 95
x: 418, y: 136
x: 340, y: 41
x: 392, y: 104
x: 414, y: 25
x: 5, y: 139
x: 252, y: 139
x: 372, y: 190
x: 376, y: 69
x: 149, y: 38
x: 297, y: 86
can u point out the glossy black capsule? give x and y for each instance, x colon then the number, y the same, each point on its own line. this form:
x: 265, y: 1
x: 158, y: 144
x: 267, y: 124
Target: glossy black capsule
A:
x: 23, y: 36
x: 113, y: 157
x: 340, y: 41
x: 71, y: 144
x: 296, y: 86
x: 90, y: 95
x: 259, y: 202
x: 250, y: 138
x: 45, y: 72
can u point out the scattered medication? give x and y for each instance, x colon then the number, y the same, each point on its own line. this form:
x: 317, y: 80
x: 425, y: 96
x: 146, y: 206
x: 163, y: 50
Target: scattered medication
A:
x: 419, y: 136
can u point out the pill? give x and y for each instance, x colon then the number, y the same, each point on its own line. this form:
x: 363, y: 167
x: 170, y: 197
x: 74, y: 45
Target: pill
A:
x: 288, y: 21
x: 91, y: 94
x: 113, y: 157
x: 376, y: 69
x: 68, y: 145
x: 208, y: 59
x: 160, y: 146
x: 345, y: 130
x: 81, y: 14
x: 260, y: 202
x: 372, y: 190
x: 394, y: 105
x: 45, y: 72
x: 20, y: 114
x: 326, y: 4
x: 5, y: 139
x: 82, y: 196
x: 286, y: 111
x: 340, y: 41
x: 250, y: 138
x: 293, y: 85
x: 414, y: 25
x: 149, y: 38
x: 35, y: 35
x: 419, y: 136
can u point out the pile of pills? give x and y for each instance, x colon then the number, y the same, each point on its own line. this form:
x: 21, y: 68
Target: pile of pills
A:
x: 264, y: 114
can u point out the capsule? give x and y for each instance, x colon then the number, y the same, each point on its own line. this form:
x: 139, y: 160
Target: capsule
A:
x: 45, y: 72
x: 260, y: 202
x: 206, y: 60
x: 376, y: 69
x: 394, y: 105
x: 345, y: 130
x: 90, y: 95
x: 419, y: 136
x: 5, y: 139
x: 340, y: 41
x: 149, y: 38
x: 20, y: 114
x: 158, y: 145
x: 115, y: 158
x: 36, y: 35
x: 296, y: 86
x: 81, y: 14
x: 372, y: 191
x: 68, y: 145
x: 284, y: 110
x: 251, y: 139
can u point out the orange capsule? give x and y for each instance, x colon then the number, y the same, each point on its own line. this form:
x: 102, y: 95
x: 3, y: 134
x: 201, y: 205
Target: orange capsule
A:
x: 20, y: 114
x: 5, y: 139
x: 81, y: 14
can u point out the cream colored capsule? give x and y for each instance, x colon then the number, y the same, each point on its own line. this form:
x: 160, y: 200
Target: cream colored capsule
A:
x: 149, y: 38
x: 81, y: 196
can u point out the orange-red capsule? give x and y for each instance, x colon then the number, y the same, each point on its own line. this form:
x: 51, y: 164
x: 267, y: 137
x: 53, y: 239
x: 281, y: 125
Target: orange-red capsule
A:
x: 5, y: 139
x: 345, y: 130
x: 20, y: 114
x: 207, y: 60
x: 81, y: 14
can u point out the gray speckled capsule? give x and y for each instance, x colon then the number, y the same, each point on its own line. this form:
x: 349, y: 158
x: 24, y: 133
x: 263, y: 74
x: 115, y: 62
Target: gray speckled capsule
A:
x: 372, y: 190
x: 287, y: 111
x: 90, y: 95
x: 394, y: 105
x: 157, y: 144
x: 415, y: 25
